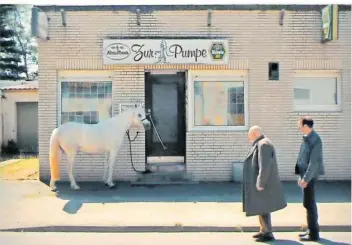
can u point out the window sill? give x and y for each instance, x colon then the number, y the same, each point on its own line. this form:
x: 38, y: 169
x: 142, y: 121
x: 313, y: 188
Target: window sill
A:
x: 218, y: 128
x: 317, y: 109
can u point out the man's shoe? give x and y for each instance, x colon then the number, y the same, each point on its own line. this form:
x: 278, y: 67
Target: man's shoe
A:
x: 259, y: 234
x: 303, y: 234
x: 265, y: 238
x: 309, y: 238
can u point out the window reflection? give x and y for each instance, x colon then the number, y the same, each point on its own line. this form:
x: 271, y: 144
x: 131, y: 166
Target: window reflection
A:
x: 219, y: 103
x: 86, y: 102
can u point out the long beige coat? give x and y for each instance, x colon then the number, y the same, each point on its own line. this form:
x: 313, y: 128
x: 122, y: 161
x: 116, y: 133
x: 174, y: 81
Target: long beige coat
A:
x: 260, y: 168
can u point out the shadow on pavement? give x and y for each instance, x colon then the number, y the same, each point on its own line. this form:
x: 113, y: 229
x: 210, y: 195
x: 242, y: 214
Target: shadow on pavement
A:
x: 283, y: 241
x: 324, y: 241
x: 96, y: 192
x: 72, y: 206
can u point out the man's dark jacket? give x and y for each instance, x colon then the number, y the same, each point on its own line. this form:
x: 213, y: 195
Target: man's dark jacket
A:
x: 310, y: 159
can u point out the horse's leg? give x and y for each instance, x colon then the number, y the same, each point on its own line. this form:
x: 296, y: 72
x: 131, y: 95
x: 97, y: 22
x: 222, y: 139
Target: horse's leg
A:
x: 112, y: 158
x: 52, y: 185
x: 106, y: 168
x: 71, y: 159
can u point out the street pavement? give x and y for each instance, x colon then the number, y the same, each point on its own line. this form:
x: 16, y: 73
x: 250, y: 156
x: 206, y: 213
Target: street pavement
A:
x: 287, y: 238
x: 205, y: 207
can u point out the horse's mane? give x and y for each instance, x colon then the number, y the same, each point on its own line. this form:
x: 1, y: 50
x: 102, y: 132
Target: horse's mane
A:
x: 119, y: 115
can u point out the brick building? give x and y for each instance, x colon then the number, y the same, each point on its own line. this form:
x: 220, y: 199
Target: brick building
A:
x: 207, y: 75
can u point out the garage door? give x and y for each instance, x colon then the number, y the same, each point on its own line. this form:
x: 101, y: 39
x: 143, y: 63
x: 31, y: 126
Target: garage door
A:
x: 27, y: 126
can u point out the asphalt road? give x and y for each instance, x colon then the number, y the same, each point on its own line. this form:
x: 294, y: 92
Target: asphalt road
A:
x: 32, y: 238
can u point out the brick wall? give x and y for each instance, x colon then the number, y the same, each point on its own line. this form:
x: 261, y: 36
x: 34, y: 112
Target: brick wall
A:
x: 255, y: 38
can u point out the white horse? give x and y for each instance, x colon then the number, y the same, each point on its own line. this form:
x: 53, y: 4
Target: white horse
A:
x: 104, y: 137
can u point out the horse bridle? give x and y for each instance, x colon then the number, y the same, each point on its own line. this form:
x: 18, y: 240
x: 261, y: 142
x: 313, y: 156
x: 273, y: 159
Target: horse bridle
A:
x: 148, y: 116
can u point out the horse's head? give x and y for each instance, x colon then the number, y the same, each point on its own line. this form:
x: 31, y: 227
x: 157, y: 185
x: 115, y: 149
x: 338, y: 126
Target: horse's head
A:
x: 140, y: 118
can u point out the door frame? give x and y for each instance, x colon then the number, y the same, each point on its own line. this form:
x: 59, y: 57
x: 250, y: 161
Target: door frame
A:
x: 168, y: 159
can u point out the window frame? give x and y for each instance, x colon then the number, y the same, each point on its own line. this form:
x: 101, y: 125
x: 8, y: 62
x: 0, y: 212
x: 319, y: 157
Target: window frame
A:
x: 83, y: 76
x: 316, y: 74
x: 209, y: 76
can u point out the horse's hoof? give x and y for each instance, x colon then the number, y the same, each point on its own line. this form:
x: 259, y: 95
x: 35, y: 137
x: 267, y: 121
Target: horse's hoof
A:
x: 76, y: 188
x: 53, y: 187
x: 112, y: 186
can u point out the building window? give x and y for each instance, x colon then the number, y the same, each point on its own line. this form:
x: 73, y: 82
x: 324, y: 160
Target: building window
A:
x: 85, y: 101
x: 273, y: 71
x: 316, y: 91
x: 218, y: 102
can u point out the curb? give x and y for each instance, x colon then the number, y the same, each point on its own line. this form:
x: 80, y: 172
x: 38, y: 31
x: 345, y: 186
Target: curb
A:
x: 9, y: 162
x: 168, y: 229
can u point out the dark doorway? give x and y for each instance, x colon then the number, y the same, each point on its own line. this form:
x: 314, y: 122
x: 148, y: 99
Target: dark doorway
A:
x: 165, y: 97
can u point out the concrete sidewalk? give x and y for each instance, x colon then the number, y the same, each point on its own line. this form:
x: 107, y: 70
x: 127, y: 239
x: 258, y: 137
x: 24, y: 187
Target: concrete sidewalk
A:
x: 31, y: 206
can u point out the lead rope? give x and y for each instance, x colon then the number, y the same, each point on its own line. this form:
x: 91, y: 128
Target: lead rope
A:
x: 129, y: 140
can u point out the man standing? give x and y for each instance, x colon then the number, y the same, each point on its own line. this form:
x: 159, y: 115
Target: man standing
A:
x: 309, y: 166
x: 262, y: 191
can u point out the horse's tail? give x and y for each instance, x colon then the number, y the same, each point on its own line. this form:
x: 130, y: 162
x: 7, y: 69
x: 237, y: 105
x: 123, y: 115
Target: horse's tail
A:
x: 54, y: 155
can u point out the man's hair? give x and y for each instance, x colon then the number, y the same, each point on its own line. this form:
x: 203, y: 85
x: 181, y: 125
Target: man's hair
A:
x: 256, y: 128
x: 307, y: 121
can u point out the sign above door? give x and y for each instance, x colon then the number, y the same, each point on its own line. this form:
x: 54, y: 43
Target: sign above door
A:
x: 165, y: 51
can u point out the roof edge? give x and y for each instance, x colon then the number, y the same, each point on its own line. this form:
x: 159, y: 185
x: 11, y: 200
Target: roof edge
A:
x: 17, y: 89
x: 151, y: 8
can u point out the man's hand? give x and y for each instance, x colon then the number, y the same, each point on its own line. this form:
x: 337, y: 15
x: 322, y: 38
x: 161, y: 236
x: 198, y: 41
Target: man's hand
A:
x: 303, y: 184
x: 260, y: 188
x: 299, y: 182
